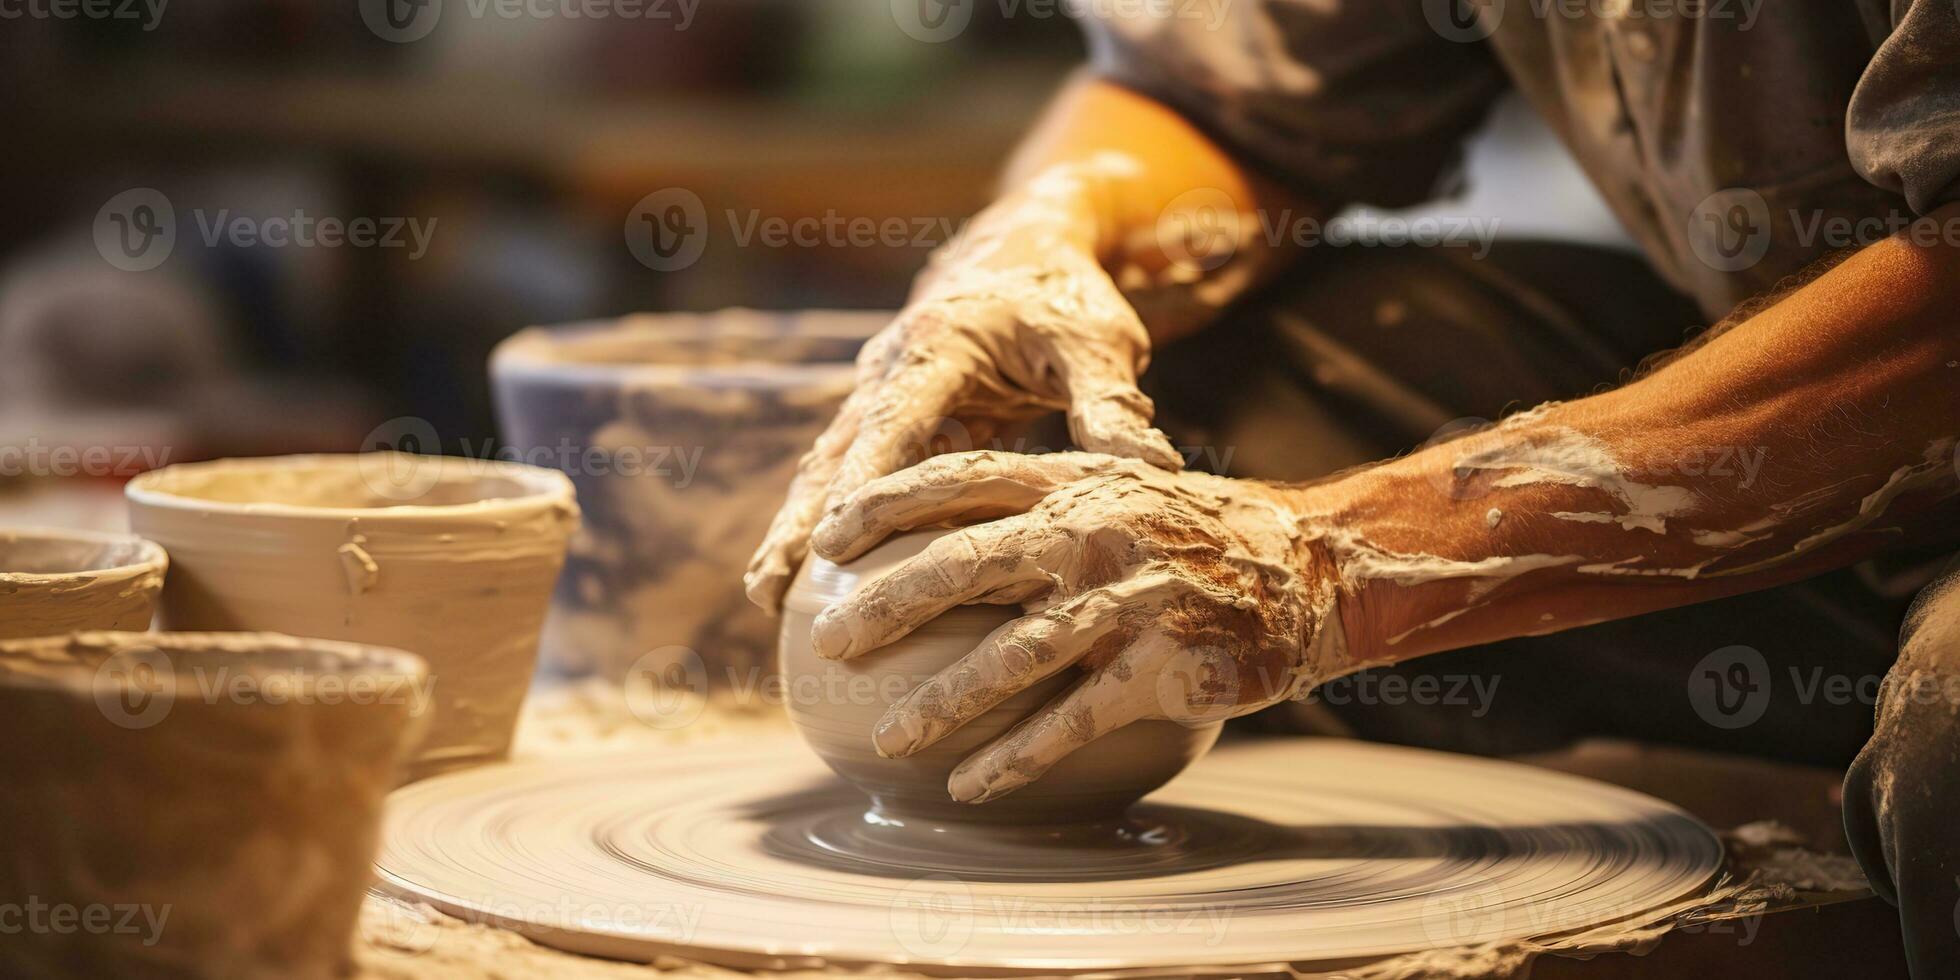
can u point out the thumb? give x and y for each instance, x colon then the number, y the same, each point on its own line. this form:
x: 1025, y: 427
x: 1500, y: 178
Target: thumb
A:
x: 1110, y: 415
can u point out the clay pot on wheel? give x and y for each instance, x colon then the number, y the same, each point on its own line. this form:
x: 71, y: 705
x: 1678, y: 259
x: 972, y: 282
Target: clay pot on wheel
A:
x: 59, y: 581
x: 835, y: 704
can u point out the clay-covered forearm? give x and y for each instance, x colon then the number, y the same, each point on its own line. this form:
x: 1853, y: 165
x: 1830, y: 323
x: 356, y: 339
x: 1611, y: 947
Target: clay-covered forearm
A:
x: 1172, y: 215
x: 1804, y: 438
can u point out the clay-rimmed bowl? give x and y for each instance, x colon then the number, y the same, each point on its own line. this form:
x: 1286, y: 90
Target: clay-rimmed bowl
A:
x: 451, y: 559
x: 55, y: 581
x: 659, y: 564
x: 224, y: 790
x: 835, y: 704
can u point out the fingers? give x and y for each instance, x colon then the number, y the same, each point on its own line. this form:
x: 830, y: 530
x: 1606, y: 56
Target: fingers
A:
x: 958, y: 488
x: 954, y: 569
x: 1100, y: 704
x: 1010, y: 660
x: 908, y: 406
x: 787, y: 540
x: 1107, y: 413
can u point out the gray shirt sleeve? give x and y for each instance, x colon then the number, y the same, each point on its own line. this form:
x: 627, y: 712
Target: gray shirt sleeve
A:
x: 1351, y: 100
x: 1902, y: 129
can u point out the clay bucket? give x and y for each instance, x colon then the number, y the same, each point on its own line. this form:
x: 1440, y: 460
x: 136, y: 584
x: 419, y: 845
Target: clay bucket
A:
x: 682, y: 433
x: 450, y: 559
x: 60, y: 581
x: 182, y: 804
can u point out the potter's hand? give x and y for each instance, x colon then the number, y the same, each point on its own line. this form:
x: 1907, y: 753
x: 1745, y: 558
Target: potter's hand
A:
x: 1015, y: 319
x: 1182, y: 596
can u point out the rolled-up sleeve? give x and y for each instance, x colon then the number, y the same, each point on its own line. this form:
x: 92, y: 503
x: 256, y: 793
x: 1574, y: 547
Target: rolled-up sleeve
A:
x: 1353, y: 100
x: 1903, y: 125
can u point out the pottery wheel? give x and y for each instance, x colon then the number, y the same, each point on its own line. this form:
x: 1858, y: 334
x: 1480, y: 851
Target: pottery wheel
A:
x: 1297, y: 850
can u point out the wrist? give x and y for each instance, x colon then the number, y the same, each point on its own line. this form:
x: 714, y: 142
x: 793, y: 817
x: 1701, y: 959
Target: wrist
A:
x: 1398, y: 573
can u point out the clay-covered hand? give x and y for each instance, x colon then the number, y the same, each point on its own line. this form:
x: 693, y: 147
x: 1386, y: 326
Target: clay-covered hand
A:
x: 1016, y: 319
x: 1181, y: 596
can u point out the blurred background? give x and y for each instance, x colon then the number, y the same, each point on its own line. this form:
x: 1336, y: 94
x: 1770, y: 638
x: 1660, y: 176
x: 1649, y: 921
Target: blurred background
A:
x: 241, y: 227
x: 498, y: 151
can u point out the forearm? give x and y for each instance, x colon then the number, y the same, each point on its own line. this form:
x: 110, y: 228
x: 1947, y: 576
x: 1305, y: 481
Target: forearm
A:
x: 1125, y: 178
x: 1782, y: 448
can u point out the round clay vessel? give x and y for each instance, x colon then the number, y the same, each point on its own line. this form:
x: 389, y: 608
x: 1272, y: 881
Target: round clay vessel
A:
x: 218, y: 794
x: 836, y: 704
x: 59, y: 581
x: 697, y: 421
x: 450, y: 559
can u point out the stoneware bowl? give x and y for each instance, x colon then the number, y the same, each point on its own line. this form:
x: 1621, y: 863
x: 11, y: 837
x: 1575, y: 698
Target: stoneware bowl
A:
x: 450, y: 559
x: 835, y: 704
x: 681, y: 433
x: 58, y: 581
x: 195, y: 804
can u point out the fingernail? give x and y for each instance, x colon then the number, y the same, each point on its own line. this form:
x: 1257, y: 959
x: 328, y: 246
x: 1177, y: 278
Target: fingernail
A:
x: 823, y: 537
x: 898, y: 733
x: 830, y: 635
x: 966, y: 786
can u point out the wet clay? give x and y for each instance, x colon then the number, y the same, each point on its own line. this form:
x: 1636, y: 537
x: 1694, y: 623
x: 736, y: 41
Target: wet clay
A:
x: 836, y: 705
x: 58, y: 581
x: 697, y: 422
x: 450, y: 559
x: 217, y: 795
